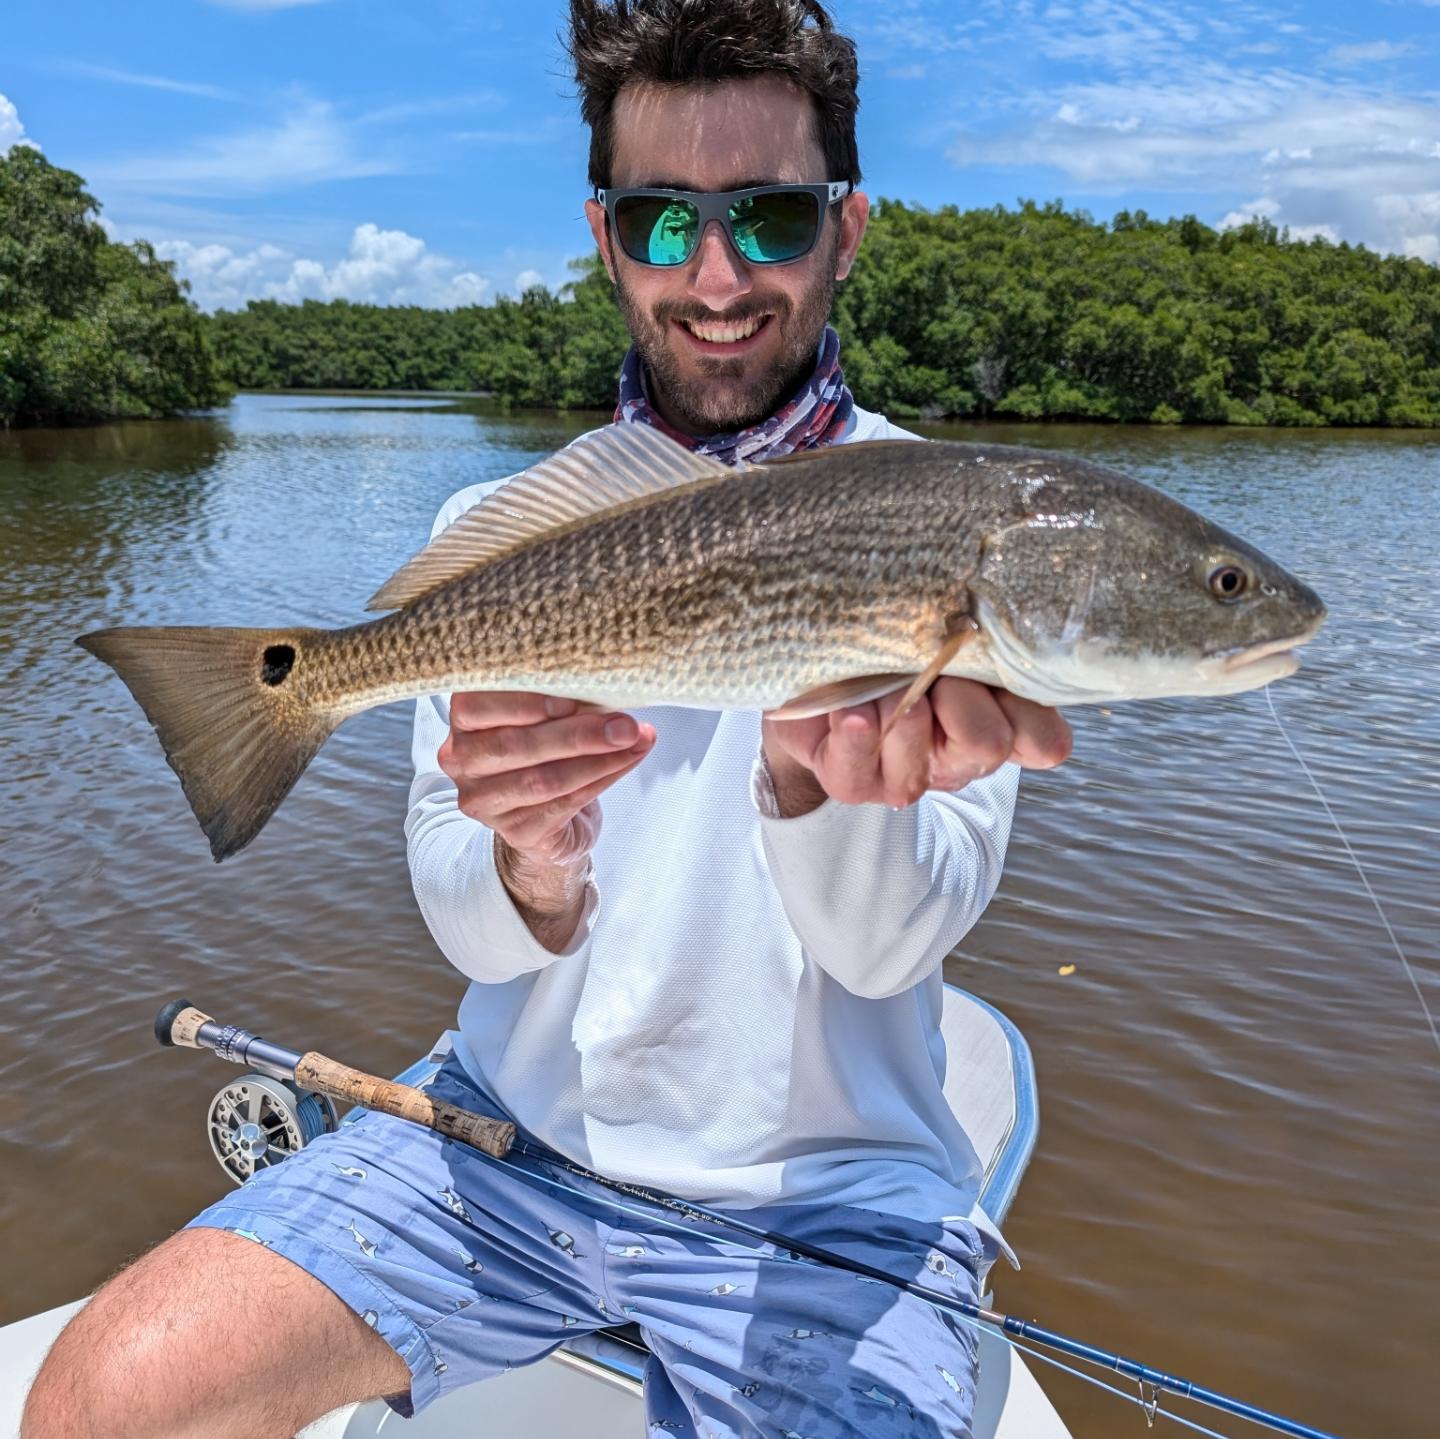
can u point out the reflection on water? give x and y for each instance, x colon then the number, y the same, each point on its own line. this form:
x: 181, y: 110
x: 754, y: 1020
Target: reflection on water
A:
x: 85, y: 510
x: 1238, y: 1170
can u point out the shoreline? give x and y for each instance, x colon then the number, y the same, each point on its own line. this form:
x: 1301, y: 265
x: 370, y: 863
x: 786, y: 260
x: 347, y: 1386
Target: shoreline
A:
x: 489, y: 404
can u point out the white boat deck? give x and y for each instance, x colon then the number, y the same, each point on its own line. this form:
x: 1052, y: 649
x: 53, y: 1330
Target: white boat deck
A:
x: 990, y: 1084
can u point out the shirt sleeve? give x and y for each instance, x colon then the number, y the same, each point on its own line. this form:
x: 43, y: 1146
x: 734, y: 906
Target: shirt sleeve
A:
x: 457, y: 885
x: 878, y: 897
x: 452, y: 857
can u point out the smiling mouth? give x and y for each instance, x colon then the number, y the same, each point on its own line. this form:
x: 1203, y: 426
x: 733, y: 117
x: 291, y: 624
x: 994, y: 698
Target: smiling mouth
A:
x: 725, y: 332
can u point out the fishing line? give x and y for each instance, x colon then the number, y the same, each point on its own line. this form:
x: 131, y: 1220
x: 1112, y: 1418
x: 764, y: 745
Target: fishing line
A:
x: 1359, y: 868
x: 940, y: 1303
x: 1151, y: 1413
x: 181, y: 1023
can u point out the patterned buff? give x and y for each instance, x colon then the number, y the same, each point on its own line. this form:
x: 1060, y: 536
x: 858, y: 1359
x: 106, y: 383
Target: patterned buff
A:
x: 816, y: 415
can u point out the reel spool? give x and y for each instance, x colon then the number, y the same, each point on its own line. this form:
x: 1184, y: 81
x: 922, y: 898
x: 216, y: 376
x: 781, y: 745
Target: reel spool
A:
x: 257, y: 1121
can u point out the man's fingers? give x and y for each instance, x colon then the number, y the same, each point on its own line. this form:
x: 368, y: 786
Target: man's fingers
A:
x: 976, y: 734
x: 575, y: 838
x: 848, y: 760
x: 489, y: 709
x: 474, y: 754
x: 906, y: 749
x: 490, y: 798
x: 1042, y: 737
x: 534, y: 827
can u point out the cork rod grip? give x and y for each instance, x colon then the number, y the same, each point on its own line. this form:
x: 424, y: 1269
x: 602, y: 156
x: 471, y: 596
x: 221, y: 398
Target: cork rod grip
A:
x: 179, y: 1023
x: 354, y: 1086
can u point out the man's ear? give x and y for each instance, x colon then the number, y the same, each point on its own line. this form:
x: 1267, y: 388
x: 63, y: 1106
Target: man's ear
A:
x: 595, y: 215
x: 854, y: 216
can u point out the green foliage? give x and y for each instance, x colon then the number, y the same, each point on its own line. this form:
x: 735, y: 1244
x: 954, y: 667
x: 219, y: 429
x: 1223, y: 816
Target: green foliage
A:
x: 543, y: 349
x: 1043, y: 313
x: 1033, y: 313
x: 89, y: 329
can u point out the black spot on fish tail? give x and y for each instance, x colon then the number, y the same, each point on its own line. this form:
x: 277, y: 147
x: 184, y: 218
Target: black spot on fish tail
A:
x: 277, y: 663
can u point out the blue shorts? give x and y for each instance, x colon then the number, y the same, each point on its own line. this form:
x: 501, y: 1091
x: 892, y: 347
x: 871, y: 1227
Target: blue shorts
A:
x: 467, y: 1267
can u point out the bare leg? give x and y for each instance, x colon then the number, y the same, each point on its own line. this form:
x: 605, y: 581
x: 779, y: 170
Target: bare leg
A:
x: 208, y: 1336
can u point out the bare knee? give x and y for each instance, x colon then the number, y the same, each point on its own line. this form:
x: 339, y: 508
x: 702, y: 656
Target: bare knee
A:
x: 207, y: 1335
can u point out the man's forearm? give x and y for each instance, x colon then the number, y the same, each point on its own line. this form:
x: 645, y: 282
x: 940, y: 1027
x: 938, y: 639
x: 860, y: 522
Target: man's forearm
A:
x: 550, y: 898
x: 795, y: 788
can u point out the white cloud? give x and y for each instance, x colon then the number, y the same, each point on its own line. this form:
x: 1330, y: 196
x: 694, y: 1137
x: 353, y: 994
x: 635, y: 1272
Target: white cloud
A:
x: 434, y: 105
x: 308, y: 146
x: 544, y: 132
x: 1269, y: 209
x: 1158, y: 105
x: 527, y: 280
x: 1314, y: 232
x: 12, y: 132
x: 383, y: 267
x: 1263, y: 208
x: 148, y: 82
x: 1418, y: 218
x: 909, y: 27
x: 1372, y: 50
x: 1115, y: 33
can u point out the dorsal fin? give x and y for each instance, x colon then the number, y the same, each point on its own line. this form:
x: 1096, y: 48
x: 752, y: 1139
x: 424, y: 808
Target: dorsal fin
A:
x: 614, y: 468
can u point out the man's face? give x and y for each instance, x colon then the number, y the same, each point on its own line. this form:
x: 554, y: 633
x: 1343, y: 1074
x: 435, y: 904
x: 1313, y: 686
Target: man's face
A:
x: 724, y: 341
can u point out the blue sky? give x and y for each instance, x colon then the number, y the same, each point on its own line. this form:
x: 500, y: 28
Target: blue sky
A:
x: 429, y: 151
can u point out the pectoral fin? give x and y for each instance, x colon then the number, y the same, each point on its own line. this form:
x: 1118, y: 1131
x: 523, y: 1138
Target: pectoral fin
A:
x: 923, y: 681
x: 839, y: 694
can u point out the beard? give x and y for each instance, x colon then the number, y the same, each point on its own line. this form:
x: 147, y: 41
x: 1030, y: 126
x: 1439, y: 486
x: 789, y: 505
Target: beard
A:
x: 709, y: 396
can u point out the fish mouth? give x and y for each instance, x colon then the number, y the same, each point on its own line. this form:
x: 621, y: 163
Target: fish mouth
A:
x: 1269, y: 654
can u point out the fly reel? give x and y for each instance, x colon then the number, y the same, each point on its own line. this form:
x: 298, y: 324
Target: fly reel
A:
x: 257, y: 1121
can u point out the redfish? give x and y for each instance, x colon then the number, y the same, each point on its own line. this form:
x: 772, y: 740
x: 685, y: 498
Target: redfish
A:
x: 628, y: 571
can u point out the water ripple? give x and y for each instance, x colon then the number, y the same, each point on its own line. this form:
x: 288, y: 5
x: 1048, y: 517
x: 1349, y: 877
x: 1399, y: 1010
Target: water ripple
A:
x: 1239, y: 1095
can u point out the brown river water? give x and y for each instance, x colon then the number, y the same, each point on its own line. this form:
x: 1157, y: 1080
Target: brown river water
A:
x: 1237, y: 1178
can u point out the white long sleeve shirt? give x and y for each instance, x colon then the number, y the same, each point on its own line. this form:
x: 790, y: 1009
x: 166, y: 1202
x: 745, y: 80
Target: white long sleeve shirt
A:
x: 749, y: 1010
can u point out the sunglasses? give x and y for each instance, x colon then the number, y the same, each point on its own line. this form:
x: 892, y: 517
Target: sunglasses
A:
x: 768, y: 225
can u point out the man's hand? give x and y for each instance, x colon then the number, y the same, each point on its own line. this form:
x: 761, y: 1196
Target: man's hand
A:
x: 957, y: 732
x: 532, y: 769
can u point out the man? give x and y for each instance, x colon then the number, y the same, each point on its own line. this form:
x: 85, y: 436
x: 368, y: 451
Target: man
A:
x: 731, y: 994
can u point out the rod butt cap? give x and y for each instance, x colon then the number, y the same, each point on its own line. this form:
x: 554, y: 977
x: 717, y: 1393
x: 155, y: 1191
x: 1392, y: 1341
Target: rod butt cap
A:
x: 165, y: 1020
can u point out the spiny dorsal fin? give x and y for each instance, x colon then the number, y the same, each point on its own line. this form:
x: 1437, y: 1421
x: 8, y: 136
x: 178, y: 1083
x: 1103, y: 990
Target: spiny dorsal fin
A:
x: 615, y: 467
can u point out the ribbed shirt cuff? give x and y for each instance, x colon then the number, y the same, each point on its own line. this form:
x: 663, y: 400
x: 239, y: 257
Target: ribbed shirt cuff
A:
x: 762, y: 787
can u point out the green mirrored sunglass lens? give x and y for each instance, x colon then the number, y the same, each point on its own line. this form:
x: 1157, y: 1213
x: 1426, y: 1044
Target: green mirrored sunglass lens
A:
x: 654, y: 230
x: 769, y: 228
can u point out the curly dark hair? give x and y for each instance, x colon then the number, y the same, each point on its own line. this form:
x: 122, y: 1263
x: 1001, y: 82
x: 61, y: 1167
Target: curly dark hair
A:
x: 679, y: 42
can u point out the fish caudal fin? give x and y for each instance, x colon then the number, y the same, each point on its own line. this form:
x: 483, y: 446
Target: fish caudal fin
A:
x: 230, y: 709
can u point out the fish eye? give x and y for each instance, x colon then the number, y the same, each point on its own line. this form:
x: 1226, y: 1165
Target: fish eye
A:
x: 1228, y: 582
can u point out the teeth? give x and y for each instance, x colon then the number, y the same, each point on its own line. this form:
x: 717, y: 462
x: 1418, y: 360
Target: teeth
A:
x: 722, y: 334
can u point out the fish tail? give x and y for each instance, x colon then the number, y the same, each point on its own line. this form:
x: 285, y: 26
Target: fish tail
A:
x: 232, y: 712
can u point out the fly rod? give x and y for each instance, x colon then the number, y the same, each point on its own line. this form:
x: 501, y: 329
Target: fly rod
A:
x: 181, y: 1023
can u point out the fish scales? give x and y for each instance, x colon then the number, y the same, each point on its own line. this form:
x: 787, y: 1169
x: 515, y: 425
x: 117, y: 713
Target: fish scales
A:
x: 747, y: 592
x: 630, y: 571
